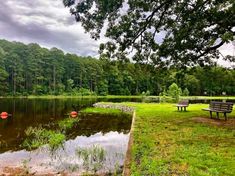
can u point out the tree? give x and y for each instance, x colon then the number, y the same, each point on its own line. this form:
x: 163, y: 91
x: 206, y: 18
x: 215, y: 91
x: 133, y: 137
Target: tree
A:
x: 103, y: 88
x: 174, y: 91
x: 192, y: 84
x: 185, y: 92
x: 70, y: 84
x: 115, y: 82
x: 3, y: 73
x: 30, y: 69
x: 161, y: 31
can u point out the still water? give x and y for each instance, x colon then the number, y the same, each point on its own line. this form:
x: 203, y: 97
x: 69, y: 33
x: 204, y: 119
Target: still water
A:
x: 111, y: 132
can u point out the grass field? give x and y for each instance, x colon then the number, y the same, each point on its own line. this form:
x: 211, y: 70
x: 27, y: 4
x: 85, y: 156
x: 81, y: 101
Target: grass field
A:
x: 168, y: 142
x: 101, y: 111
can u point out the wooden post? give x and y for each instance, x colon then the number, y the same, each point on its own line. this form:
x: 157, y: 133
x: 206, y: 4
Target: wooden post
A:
x: 225, y: 116
x: 217, y: 114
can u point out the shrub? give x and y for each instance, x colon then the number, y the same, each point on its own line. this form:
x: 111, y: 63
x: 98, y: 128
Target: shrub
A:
x: 174, y: 91
x: 185, y: 92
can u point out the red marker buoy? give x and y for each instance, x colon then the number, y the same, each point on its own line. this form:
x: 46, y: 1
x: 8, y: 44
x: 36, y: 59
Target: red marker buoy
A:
x: 4, y: 115
x: 73, y: 114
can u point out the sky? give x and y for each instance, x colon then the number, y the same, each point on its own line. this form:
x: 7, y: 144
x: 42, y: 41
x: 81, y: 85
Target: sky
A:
x: 50, y: 24
x: 46, y: 22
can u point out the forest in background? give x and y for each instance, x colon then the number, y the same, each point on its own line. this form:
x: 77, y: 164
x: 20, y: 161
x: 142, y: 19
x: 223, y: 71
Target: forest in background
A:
x: 33, y: 70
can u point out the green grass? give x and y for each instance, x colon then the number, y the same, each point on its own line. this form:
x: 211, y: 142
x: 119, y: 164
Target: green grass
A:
x: 209, y: 97
x: 101, y: 111
x: 168, y: 142
x: 38, y: 136
x: 67, y: 124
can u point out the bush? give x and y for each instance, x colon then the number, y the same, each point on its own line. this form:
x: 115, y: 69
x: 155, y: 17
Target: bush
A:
x: 84, y: 91
x: 185, y: 92
x: 147, y: 93
x: 37, y: 89
x: 103, y: 88
x: 174, y: 91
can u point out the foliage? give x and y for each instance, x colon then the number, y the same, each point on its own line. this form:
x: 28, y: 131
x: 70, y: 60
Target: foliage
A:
x: 38, y: 89
x: 38, y: 136
x: 103, y: 88
x: 192, y: 83
x: 168, y: 142
x: 55, y: 141
x: 85, y: 92
x: 70, y: 84
x: 102, y: 111
x: 67, y: 124
x: 93, y: 158
x: 174, y: 91
x: 161, y: 31
x: 185, y: 92
x: 32, y: 70
x: 147, y: 93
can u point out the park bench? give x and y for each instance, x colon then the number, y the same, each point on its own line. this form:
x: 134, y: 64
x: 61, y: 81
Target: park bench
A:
x: 182, y: 104
x: 219, y: 107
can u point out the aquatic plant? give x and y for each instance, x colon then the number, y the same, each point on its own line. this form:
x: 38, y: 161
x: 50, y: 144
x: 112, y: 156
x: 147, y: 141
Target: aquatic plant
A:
x: 67, y: 124
x: 56, y: 140
x: 35, y: 137
x: 93, y: 158
x: 25, y: 166
x: 38, y: 136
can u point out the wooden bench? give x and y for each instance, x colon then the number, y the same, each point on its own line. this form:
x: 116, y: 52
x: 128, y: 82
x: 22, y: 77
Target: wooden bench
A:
x: 219, y: 107
x: 182, y: 104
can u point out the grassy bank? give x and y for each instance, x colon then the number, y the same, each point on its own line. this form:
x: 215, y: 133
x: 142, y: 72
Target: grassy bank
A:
x: 102, y: 111
x: 209, y: 97
x: 168, y: 142
x: 120, y: 96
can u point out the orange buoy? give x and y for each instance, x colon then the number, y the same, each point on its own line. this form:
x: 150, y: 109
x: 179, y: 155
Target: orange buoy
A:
x: 4, y: 115
x: 73, y: 114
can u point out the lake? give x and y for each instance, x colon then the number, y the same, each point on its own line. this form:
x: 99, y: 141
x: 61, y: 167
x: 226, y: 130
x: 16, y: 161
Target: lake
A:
x: 107, y: 132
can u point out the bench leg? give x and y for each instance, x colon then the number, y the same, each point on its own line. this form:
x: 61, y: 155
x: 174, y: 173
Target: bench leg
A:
x: 184, y: 108
x: 181, y: 108
x: 225, y: 116
x: 178, y: 108
x: 211, y: 114
x: 217, y: 114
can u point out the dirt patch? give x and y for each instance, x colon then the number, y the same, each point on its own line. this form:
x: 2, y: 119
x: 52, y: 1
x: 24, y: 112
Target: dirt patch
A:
x: 9, y: 171
x: 13, y: 171
x: 230, y: 123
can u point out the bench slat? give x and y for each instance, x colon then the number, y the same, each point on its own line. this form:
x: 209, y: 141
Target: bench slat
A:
x: 220, y: 107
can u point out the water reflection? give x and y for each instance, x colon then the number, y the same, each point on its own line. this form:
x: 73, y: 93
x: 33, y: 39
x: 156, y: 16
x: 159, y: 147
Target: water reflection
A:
x: 114, y: 144
x: 32, y: 112
x: 109, y: 131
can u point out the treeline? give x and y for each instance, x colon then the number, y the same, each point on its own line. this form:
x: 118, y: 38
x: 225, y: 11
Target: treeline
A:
x: 33, y: 70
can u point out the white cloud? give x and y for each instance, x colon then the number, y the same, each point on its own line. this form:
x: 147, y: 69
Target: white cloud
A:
x: 48, y: 23
x: 226, y: 49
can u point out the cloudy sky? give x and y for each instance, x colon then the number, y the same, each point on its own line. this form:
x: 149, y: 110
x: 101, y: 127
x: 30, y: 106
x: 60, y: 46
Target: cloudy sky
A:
x: 46, y: 22
x: 49, y: 23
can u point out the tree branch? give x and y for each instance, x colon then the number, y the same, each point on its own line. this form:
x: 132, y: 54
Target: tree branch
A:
x: 148, y: 20
x: 207, y: 50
